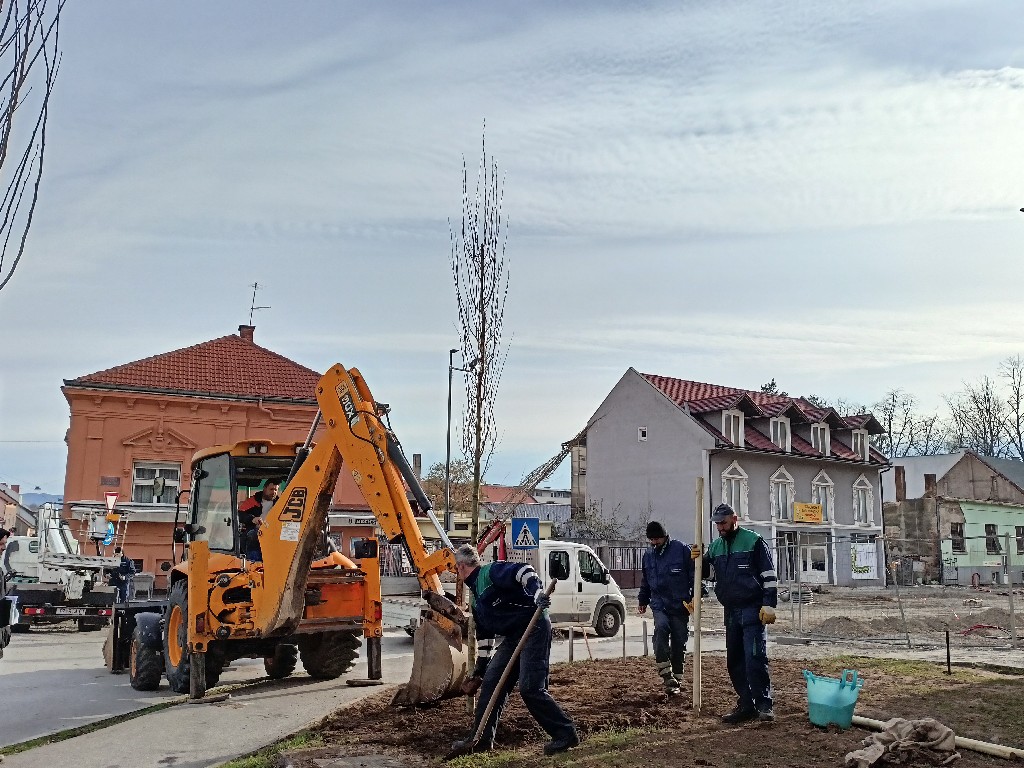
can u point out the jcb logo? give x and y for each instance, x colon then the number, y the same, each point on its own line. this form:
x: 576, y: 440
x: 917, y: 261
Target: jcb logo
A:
x: 347, y: 404
x: 296, y: 506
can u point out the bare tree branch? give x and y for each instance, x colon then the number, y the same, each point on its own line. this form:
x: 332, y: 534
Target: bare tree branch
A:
x: 29, y: 50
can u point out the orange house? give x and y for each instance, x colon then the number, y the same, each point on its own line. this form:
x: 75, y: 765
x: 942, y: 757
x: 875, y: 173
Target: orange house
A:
x: 135, y: 427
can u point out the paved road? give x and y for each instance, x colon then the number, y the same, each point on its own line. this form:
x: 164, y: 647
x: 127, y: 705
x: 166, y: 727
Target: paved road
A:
x: 53, y: 679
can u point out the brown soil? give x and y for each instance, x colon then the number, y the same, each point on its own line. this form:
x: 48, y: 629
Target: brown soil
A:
x: 625, y: 719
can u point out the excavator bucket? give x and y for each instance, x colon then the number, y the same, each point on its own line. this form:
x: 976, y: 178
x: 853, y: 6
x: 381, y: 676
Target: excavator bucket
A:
x: 439, y: 663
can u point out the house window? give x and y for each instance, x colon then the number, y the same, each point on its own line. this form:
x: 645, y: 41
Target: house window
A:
x: 863, y: 500
x: 820, y: 438
x: 823, y: 491
x: 992, y: 546
x: 734, y: 488
x: 641, y: 434
x: 860, y: 443
x: 780, y: 433
x: 1020, y: 539
x: 155, y: 483
x: 732, y: 427
x: 956, y: 533
x: 782, y: 495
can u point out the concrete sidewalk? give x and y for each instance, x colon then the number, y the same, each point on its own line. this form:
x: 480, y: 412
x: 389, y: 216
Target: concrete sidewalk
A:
x: 200, y: 735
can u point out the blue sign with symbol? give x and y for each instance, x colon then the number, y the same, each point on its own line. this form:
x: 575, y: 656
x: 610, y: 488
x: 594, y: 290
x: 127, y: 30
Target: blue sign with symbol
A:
x: 110, y: 535
x: 525, y: 533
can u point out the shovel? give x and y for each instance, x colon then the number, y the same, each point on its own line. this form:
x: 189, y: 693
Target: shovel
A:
x: 504, y: 675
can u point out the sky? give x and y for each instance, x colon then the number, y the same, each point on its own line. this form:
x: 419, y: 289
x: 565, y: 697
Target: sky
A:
x: 728, y: 191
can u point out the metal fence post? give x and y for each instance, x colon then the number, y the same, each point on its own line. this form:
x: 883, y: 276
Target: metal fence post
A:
x: 571, y: 639
x: 646, y: 651
x: 1009, y: 582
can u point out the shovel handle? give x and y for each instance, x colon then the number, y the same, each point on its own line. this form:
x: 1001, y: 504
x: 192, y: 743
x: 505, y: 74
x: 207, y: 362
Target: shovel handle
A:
x: 508, y: 667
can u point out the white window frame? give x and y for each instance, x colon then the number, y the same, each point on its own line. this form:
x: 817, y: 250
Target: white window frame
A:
x: 823, y: 491
x: 732, y: 427
x: 821, y: 438
x: 863, y: 501
x: 782, y: 485
x: 861, y: 444
x: 162, y: 469
x: 784, y: 441
x: 735, y: 488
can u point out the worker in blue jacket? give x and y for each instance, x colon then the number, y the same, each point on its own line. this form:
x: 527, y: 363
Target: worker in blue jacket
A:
x: 505, y: 597
x: 740, y: 563
x: 667, y: 586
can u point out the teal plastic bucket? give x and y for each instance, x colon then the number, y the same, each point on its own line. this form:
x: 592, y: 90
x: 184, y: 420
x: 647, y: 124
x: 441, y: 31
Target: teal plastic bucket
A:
x: 830, y: 700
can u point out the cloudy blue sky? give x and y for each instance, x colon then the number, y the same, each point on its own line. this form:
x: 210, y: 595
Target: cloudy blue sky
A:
x: 722, y: 190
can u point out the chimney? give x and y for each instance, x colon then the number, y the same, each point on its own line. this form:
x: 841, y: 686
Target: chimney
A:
x: 246, y: 331
x: 16, y: 489
x: 899, y: 476
x: 417, y: 465
x: 929, y: 487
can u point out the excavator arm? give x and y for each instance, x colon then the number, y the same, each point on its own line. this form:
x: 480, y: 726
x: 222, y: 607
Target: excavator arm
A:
x: 356, y: 439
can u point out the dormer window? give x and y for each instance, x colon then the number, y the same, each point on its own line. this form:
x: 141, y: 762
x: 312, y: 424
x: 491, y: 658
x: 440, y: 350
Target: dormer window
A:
x: 732, y: 427
x: 780, y: 433
x: 821, y: 439
x: 860, y: 443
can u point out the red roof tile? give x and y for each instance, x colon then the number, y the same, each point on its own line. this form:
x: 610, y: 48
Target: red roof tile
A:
x: 499, y: 494
x: 701, y: 398
x: 229, y: 366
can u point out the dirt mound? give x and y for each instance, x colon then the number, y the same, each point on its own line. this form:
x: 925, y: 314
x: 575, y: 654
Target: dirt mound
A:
x: 608, y: 698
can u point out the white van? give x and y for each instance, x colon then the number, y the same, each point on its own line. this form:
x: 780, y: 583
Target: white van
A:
x: 589, y: 596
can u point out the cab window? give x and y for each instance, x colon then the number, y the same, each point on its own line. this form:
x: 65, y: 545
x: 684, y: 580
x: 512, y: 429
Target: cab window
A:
x: 212, y: 503
x: 557, y: 558
x: 590, y: 568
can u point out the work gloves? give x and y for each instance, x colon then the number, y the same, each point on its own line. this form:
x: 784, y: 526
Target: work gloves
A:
x: 688, y: 606
x: 471, y: 685
x: 767, y: 615
x: 695, y: 552
x: 542, y: 599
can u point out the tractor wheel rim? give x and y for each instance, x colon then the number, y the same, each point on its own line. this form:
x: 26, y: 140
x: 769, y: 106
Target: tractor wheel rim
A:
x: 174, y: 627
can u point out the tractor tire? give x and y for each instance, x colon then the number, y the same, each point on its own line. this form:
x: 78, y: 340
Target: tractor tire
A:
x: 608, y: 621
x: 283, y: 662
x: 145, y: 665
x: 329, y: 654
x: 177, y: 658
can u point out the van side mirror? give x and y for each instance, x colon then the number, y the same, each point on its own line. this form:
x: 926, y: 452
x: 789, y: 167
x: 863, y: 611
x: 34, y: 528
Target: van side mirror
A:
x: 605, y: 578
x: 179, y: 536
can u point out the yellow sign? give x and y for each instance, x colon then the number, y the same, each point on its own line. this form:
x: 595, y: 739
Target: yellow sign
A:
x: 806, y: 513
x: 113, y: 517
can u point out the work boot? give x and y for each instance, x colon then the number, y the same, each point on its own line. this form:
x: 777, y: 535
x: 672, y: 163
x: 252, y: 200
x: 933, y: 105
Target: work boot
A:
x: 672, y: 686
x: 555, y: 746
x: 740, y: 715
x: 766, y: 715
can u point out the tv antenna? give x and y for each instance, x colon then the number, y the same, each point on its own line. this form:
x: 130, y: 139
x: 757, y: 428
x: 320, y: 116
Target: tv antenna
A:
x: 253, y: 307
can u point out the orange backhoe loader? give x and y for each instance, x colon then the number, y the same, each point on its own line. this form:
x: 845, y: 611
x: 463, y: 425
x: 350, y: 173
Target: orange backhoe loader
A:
x: 303, y: 599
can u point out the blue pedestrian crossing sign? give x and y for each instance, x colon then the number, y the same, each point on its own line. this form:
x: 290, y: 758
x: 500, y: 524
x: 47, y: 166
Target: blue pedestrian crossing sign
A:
x: 525, y: 532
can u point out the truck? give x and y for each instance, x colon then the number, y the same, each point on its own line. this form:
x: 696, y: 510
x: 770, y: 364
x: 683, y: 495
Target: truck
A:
x: 296, y: 597
x: 50, y: 580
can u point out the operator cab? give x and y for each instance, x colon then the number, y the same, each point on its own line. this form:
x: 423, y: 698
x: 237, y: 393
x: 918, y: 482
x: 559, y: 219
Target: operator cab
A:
x: 224, y: 477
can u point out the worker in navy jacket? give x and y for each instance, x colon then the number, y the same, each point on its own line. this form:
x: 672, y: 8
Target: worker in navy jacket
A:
x: 505, y: 597
x: 667, y: 586
x: 740, y: 563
